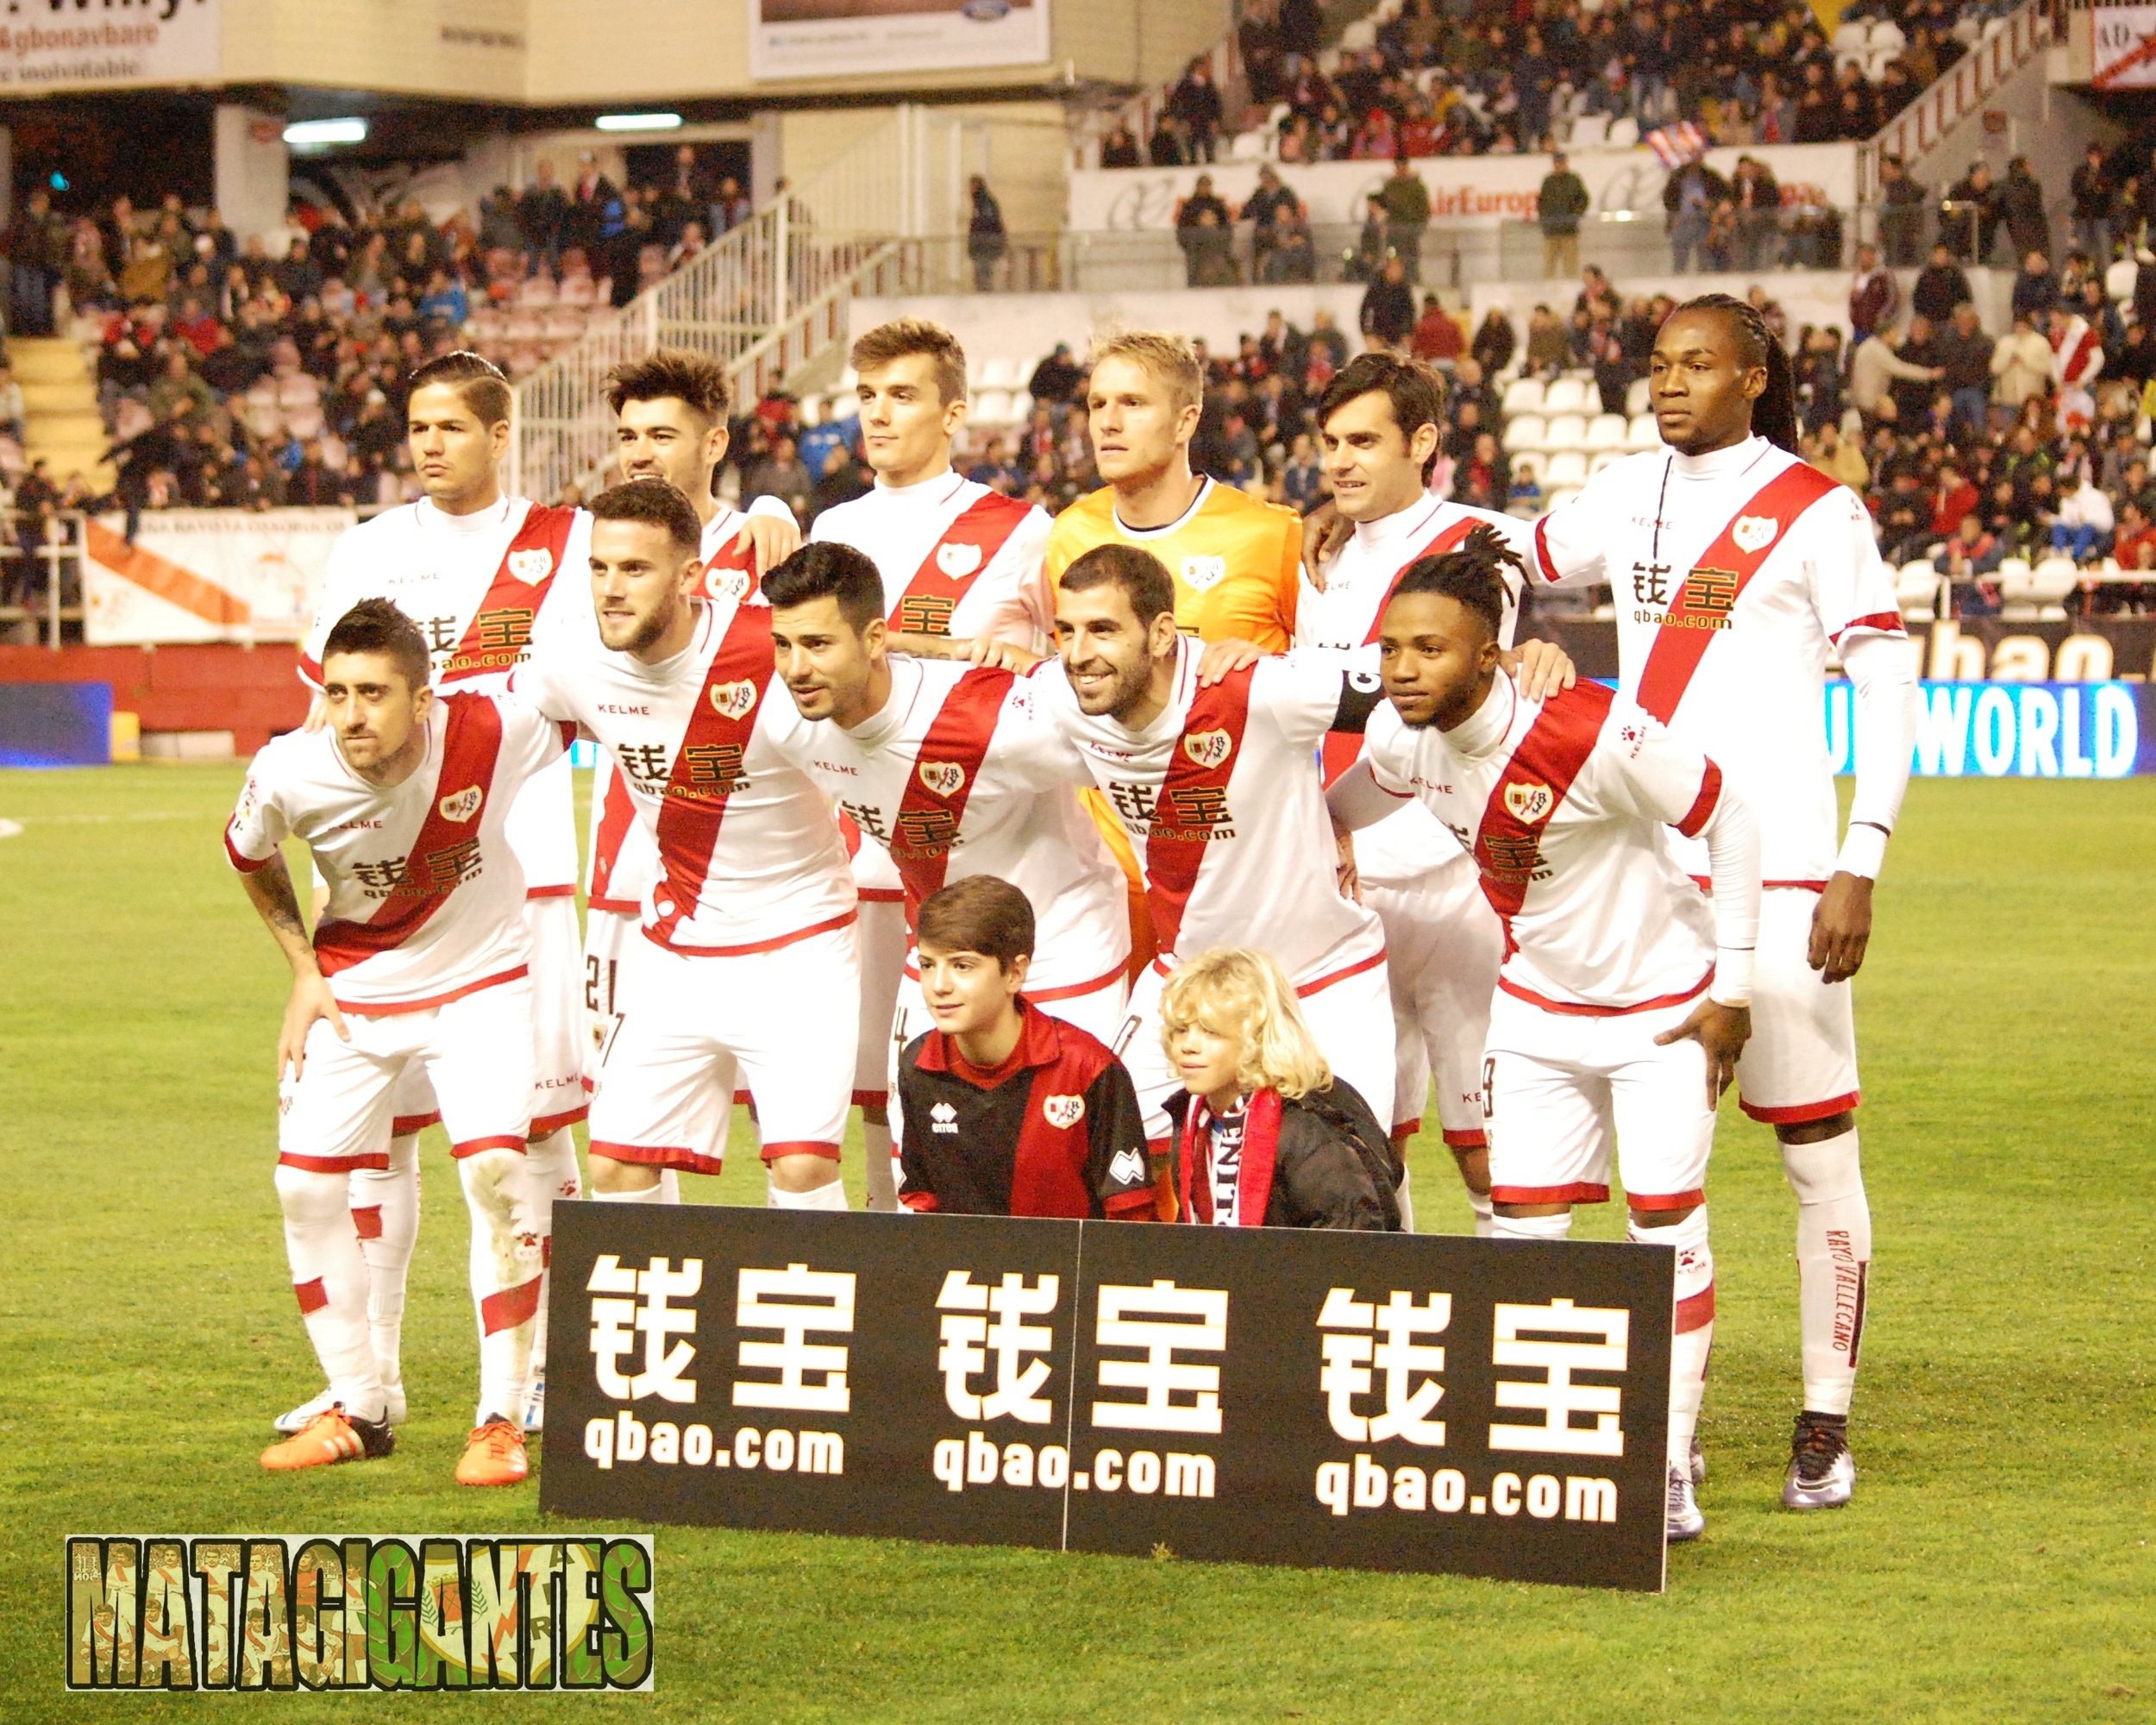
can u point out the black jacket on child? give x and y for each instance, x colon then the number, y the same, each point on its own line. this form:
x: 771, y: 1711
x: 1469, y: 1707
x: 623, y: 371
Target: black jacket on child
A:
x: 1319, y: 1161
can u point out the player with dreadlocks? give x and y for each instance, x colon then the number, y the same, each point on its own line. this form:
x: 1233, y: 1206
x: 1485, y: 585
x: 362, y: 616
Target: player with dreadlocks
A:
x: 1621, y: 1006
x: 1738, y: 571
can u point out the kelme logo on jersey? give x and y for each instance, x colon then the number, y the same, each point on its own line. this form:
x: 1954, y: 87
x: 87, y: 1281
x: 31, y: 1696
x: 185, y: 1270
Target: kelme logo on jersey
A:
x: 1208, y: 748
x: 958, y: 560
x: 944, y: 778
x: 1755, y: 532
x: 1200, y: 574
x: 1529, y: 803
x: 1063, y: 1112
x: 461, y: 806
x: 726, y: 583
x: 733, y: 700
x: 532, y: 566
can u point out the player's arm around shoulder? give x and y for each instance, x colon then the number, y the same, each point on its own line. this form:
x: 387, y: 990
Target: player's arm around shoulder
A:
x: 534, y: 739
x: 1570, y: 543
x: 1378, y: 783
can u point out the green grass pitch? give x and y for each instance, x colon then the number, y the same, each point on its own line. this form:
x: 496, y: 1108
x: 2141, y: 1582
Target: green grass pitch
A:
x: 1996, y: 1563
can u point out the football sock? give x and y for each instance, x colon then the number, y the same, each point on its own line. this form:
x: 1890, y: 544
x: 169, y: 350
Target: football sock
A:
x: 1485, y: 1216
x: 880, y: 1172
x: 512, y: 1221
x: 830, y: 1196
x: 1405, y: 1200
x: 1531, y: 1227
x: 1834, y: 1264
x: 385, y: 1210
x: 552, y: 1164
x: 1694, y: 1325
x: 329, y: 1279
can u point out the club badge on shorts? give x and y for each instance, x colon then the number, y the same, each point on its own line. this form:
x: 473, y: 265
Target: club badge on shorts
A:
x: 944, y: 778
x: 531, y: 568
x: 1208, y: 748
x: 733, y: 700
x: 1201, y: 574
x: 1063, y: 1112
x: 1528, y: 803
x: 958, y: 560
x: 461, y: 806
x: 1754, y: 532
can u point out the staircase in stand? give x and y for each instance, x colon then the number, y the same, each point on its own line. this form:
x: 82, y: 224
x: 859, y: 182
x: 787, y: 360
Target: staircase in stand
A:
x: 60, y: 421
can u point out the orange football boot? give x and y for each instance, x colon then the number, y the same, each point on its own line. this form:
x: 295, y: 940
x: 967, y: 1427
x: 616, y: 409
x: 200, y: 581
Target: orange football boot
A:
x: 494, y: 1456
x: 331, y: 1436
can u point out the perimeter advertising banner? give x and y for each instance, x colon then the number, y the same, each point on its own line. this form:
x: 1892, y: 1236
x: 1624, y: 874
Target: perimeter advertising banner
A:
x: 207, y: 575
x: 1367, y: 1400
x: 858, y: 38
x: 2124, y: 39
x: 54, y: 45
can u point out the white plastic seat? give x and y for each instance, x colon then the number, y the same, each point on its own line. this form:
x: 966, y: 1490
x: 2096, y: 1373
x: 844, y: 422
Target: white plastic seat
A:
x: 1637, y: 399
x: 809, y: 411
x: 1566, y: 431
x: 991, y: 407
x: 1606, y: 431
x: 1607, y: 458
x: 1250, y: 146
x: 1523, y: 395
x: 2041, y: 590
x: 2118, y: 280
x: 1567, y: 467
x: 1850, y: 35
x: 1530, y: 464
x: 1916, y: 591
x: 1524, y: 432
x: 1643, y: 433
x: 1566, y: 395
x: 1591, y: 131
x: 1000, y: 373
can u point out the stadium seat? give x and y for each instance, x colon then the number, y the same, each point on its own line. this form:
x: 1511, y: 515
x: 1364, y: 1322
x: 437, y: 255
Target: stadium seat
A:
x: 809, y: 411
x: 1643, y: 433
x: 1530, y: 464
x: 1604, y: 458
x: 1251, y: 146
x: 1523, y: 395
x: 1605, y: 431
x: 2048, y: 584
x: 1568, y: 467
x: 1850, y: 36
x: 1591, y: 131
x: 2118, y: 280
x: 1566, y: 431
x: 1916, y: 591
x: 1524, y: 432
x: 1638, y: 400
x: 1001, y: 373
x: 1566, y: 395
x: 991, y: 407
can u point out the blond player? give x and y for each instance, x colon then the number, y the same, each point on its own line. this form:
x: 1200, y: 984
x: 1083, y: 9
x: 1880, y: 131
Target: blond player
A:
x: 1621, y: 1006
x: 1737, y: 570
x: 960, y: 563
x: 748, y: 951
x: 948, y: 769
x: 421, y: 962
x: 1218, y: 790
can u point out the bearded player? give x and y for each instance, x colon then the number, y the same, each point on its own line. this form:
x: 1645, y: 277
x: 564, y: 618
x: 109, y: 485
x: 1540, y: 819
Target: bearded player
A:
x: 960, y: 563
x: 1738, y: 569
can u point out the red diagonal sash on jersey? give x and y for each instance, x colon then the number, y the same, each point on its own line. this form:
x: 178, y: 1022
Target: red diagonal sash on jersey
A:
x: 444, y: 854
x: 924, y: 829
x: 1706, y: 601
x: 1342, y: 747
x: 500, y: 629
x: 707, y: 765
x: 617, y: 814
x: 969, y: 544
x: 1193, y: 800
x: 1509, y: 840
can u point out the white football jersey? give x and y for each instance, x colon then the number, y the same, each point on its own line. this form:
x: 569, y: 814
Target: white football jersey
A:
x: 958, y: 775
x: 1223, y: 802
x: 1733, y: 574
x: 1564, y: 805
x: 426, y: 898
x: 750, y: 857
x: 482, y: 587
x: 1410, y: 847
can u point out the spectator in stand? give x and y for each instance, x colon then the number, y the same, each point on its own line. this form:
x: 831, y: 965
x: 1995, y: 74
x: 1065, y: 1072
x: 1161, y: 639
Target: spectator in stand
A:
x: 1407, y: 202
x: 1941, y: 286
x: 1165, y: 149
x: 1368, y: 256
x: 35, y: 265
x: 1758, y: 197
x: 730, y: 207
x: 1294, y: 256
x: 1268, y: 208
x: 1055, y: 379
x: 1689, y: 198
x: 2036, y: 288
x: 1953, y: 497
x: 1436, y: 338
x: 2134, y: 543
x: 1203, y: 232
x: 1969, y: 216
x: 1964, y: 359
x: 1972, y: 554
x: 594, y: 210
x: 1303, y: 476
x: 1118, y: 148
x: 2094, y: 201
x: 1873, y: 370
x: 445, y: 304
x: 1901, y: 214
x: 1559, y: 206
x: 2021, y: 202
x: 1874, y: 296
x: 783, y: 474
x: 987, y: 241
x: 1389, y: 308
x: 1494, y: 342
x: 543, y: 212
x: 2021, y: 364
x: 2083, y: 525
x: 1840, y: 458
x: 1194, y: 105
x: 1549, y: 345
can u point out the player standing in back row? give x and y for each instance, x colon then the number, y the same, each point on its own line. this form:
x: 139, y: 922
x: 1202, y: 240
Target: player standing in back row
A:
x: 960, y: 563
x: 1736, y: 570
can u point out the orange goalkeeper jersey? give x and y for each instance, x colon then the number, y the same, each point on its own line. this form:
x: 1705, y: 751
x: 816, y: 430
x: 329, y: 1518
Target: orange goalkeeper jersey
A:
x: 1236, y: 561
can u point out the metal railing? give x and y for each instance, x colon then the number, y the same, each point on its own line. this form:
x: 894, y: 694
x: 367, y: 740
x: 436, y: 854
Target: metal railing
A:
x: 62, y: 601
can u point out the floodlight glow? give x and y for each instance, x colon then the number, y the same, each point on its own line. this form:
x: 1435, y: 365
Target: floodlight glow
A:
x: 637, y: 122
x: 314, y: 133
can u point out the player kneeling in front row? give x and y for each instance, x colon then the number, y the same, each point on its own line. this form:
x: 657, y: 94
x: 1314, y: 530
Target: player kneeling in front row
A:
x: 1265, y: 1135
x: 1623, y: 1001
x: 1008, y: 1112
x: 403, y: 798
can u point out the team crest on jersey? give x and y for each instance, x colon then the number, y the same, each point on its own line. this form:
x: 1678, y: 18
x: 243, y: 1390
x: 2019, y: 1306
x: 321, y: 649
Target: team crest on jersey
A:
x: 958, y: 560
x: 1208, y: 748
x: 1200, y: 574
x: 726, y: 584
x: 945, y: 778
x: 461, y: 806
x: 1755, y: 532
x: 1529, y: 803
x: 532, y: 566
x: 733, y: 700
x: 1063, y: 1112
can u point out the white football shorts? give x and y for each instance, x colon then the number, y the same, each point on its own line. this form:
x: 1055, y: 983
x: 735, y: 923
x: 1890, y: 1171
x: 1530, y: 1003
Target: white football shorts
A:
x: 1443, y: 947
x: 1801, y: 1063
